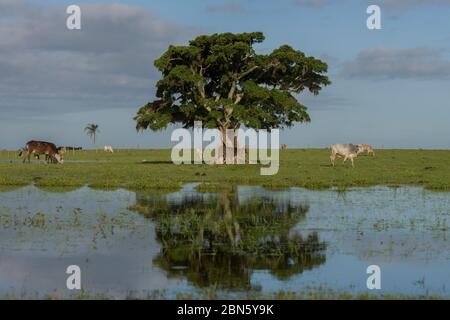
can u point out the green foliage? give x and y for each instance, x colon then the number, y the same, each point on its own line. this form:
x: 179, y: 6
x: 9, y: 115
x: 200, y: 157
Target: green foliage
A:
x: 220, y: 80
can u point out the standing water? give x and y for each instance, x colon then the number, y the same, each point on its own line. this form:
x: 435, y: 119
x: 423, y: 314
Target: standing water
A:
x: 239, y: 242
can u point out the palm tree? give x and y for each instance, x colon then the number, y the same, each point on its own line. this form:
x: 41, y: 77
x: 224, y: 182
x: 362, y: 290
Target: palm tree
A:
x: 92, y: 130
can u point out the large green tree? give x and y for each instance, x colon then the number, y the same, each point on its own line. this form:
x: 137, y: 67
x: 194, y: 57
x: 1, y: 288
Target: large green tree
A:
x: 220, y: 80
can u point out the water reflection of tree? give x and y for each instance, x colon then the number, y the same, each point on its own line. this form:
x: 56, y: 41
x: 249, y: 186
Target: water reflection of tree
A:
x: 220, y: 242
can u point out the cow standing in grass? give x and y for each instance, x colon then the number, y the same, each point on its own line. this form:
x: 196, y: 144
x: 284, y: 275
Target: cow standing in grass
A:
x: 61, y: 151
x: 42, y: 148
x: 348, y: 151
x: 366, y: 148
x: 108, y: 149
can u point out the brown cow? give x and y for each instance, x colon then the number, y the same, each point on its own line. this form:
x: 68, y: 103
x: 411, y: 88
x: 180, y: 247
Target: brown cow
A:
x: 42, y: 147
x: 61, y: 151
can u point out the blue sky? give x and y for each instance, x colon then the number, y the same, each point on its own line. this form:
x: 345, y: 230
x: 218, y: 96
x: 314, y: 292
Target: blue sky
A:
x: 390, y: 86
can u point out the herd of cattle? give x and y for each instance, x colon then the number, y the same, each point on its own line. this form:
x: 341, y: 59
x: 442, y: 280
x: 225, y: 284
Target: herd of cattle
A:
x: 55, y: 154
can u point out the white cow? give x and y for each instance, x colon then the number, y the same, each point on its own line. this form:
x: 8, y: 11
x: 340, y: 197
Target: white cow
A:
x: 348, y: 151
x: 366, y: 148
x: 108, y: 149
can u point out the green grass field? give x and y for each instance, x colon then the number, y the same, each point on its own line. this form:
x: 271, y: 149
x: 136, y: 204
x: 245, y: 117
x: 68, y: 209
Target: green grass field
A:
x: 309, y: 168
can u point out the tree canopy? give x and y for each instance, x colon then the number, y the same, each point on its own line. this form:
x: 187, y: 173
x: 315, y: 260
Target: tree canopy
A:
x: 220, y: 80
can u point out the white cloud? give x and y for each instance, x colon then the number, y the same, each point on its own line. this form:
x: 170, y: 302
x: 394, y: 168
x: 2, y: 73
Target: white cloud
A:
x: 410, y: 3
x: 387, y: 3
x: 393, y: 63
x: 110, y: 59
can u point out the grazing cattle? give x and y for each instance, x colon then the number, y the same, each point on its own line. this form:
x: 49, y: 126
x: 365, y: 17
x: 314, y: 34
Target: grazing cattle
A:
x: 366, y: 148
x: 284, y: 147
x: 39, y: 148
x: 108, y: 149
x: 348, y: 151
x: 61, y: 151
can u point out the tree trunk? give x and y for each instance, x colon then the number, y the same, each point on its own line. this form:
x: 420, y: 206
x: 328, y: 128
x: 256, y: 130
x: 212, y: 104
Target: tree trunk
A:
x: 234, y: 151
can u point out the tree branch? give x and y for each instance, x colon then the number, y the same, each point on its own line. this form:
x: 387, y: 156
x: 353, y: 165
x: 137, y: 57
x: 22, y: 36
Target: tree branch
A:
x: 232, y: 90
x: 239, y: 98
x: 247, y: 72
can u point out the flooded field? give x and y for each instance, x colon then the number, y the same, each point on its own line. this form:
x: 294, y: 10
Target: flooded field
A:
x: 240, y: 241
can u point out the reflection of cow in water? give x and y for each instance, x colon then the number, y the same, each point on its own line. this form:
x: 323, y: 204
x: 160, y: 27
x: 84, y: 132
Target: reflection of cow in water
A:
x: 37, y: 148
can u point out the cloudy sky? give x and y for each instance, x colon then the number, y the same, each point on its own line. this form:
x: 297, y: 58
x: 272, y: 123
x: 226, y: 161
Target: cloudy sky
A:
x: 391, y: 87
